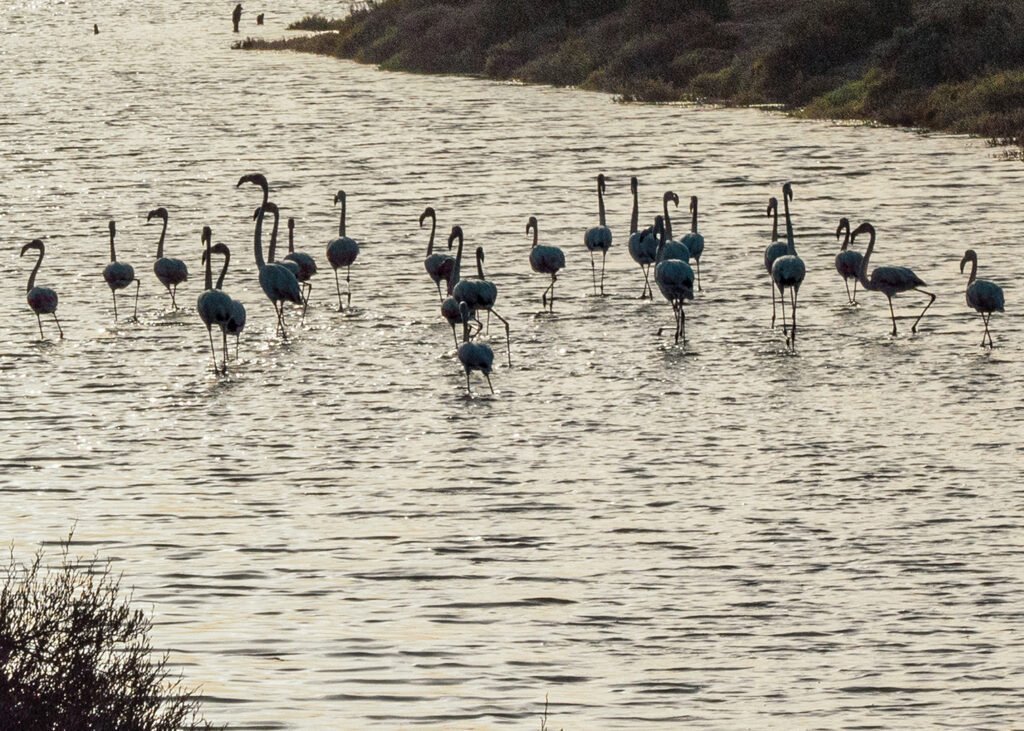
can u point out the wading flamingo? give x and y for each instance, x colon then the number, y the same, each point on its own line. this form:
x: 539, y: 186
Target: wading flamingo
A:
x: 774, y: 250
x: 598, y: 238
x: 42, y: 300
x: 170, y: 272
x: 983, y: 296
x: 847, y: 260
x: 545, y: 260
x: 788, y: 271
x: 119, y: 275
x: 341, y: 252
x: 439, y: 266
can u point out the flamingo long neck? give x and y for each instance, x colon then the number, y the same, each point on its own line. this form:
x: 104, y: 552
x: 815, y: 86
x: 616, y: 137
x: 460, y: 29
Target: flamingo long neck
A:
x: 480, y: 264
x: 600, y: 204
x: 846, y: 237
x: 634, y: 219
x: 457, y: 269
x: 209, y: 264
x: 970, y: 281
x: 160, y: 243
x: 291, y: 236
x: 790, y: 243
x: 693, y: 208
x: 668, y: 221
x: 257, y: 240
x: 534, y: 227
x: 433, y: 229
x: 113, y: 254
x: 862, y: 273
x: 224, y: 269
x: 773, y: 211
x: 659, y: 231
x: 273, y: 237
x: 341, y: 226
x: 35, y: 270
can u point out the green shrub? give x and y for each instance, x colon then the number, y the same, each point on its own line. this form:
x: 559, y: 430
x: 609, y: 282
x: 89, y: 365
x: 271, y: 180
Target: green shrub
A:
x: 75, y: 656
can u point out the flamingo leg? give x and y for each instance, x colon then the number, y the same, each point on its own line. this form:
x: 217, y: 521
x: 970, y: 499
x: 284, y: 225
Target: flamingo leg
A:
x: 348, y: 286
x: 849, y: 299
x: 58, y: 325
x: 682, y: 322
x: 280, y: 320
x: 113, y: 293
x: 40, y: 321
x: 773, y: 305
x: 440, y: 296
x: 544, y: 294
x: 699, y: 288
x: 135, y: 314
x: 456, y: 337
x: 305, y: 300
x: 469, y: 391
x: 914, y: 328
x: 593, y: 271
x: 604, y: 255
x: 792, y: 330
x: 238, y: 336
x: 854, y: 291
x: 213, y: 350
x: 554, y: 278
x: 508, y: 337
x: 782, y: 304
x: 893, y: 314
x: 488, y: 377
x: 174, y: 302
x: 648, y: 293
x: 337, y: 285
x: 224, y: 335
x: 985, y: 318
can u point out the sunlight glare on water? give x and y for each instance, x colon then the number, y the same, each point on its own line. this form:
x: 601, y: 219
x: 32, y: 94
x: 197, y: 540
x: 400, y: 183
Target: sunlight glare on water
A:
x: 723, y: 536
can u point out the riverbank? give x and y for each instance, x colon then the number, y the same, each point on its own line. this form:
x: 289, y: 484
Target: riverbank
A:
x: 955, y: 66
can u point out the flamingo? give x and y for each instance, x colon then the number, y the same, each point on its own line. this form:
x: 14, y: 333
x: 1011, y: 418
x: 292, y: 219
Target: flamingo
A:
x: 888, y: 280
x: 307, y: 265
x: 438, y: 266
x: 213, y: 306
x: 983, y: 296
x: 170, y: 272
x: 291, y: 266
x: 847, y: 260
x: 450, y: 312
x: 341, y: 252
x: 276, y: 281
x: 42, y: 300
x: 674, y: 278
x: 694, y: 241
x: 672, y: 249
x: 642, y: 244
x: 788, y: 270
x: 236, y: 310
x: 598, y: 238
x: 545, y: 260
x: 474, y: 356
x: 479, y: 293
x: 775, y: 249
x: 119, y: 275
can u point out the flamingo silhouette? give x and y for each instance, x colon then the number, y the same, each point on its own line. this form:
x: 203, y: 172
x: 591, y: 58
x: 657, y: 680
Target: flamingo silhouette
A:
x: 42, y: 300
x: 674, y: 278
x: 213, y: 305
x: 474, y: 356
x: 438, y: 266
x: 306, y: 263
x: 170, y: 272
x: 236, y: 310
x: 848, y: 261
x: 479, y: 293
x: 774, y: 250
x: 119, y: 275
x: 671, y: 249
x: 643, y: 245
x: 788, y: 270
x: 983, y: 296
x: 545, y: 260
x: 341, y: 252
x: 890, y: 281
x: 694, y: 241
x: 598, y: 238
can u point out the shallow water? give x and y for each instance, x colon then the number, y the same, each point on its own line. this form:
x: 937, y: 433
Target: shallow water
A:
x: 722, y: 535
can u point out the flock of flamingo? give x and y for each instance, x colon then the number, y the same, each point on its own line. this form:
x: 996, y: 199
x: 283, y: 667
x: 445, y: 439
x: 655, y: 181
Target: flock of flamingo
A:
x: 287, y: 281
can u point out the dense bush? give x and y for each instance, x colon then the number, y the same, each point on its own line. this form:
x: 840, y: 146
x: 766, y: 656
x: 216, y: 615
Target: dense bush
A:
x: 74, y: 655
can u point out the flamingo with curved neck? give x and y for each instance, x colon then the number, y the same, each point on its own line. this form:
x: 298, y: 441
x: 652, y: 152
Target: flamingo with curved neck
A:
x: 598, y: 238
x: 888, y: 280
x: 848, y: 261
x: 775, y: 249
x: 169, y: 272
x: 305, y: 263
x: 694, y: 240
x: 213, y: 305
x: 342, y: 252
x: 643, y: 245
x: 42, y: 300
x: 119, y: 275
x: 439, y: 266
x: 788, y: 271
x: 983, y: 296
x: 545, y: 260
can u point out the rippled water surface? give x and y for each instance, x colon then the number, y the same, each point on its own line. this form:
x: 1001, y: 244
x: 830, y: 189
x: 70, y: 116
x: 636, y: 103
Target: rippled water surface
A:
x: 722, y: 535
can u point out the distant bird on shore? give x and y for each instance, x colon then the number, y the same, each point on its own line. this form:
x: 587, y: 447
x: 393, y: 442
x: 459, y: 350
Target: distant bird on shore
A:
x: 848, y: 261
x: 259, y: 19
x: 169, y: 272
x: 599, y: 238
x: 694, y: 240
x: 236, y: 16
x: 474, y: 356
x: 788, y: 271
x: 95, y: 29
x: 439, y: 266
x: 890, y: 281
x: 983, y: 296
x: 774, y: 250
x: 545, y: 260
x: 119, y: 275
x: 342, y: 252
x: 42, y: 300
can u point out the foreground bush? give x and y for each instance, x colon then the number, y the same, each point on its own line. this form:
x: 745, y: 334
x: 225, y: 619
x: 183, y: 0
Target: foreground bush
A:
x: 75, y: 656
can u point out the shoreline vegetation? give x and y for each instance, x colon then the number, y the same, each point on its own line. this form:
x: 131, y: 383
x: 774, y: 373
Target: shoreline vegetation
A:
x: 948, y: 65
